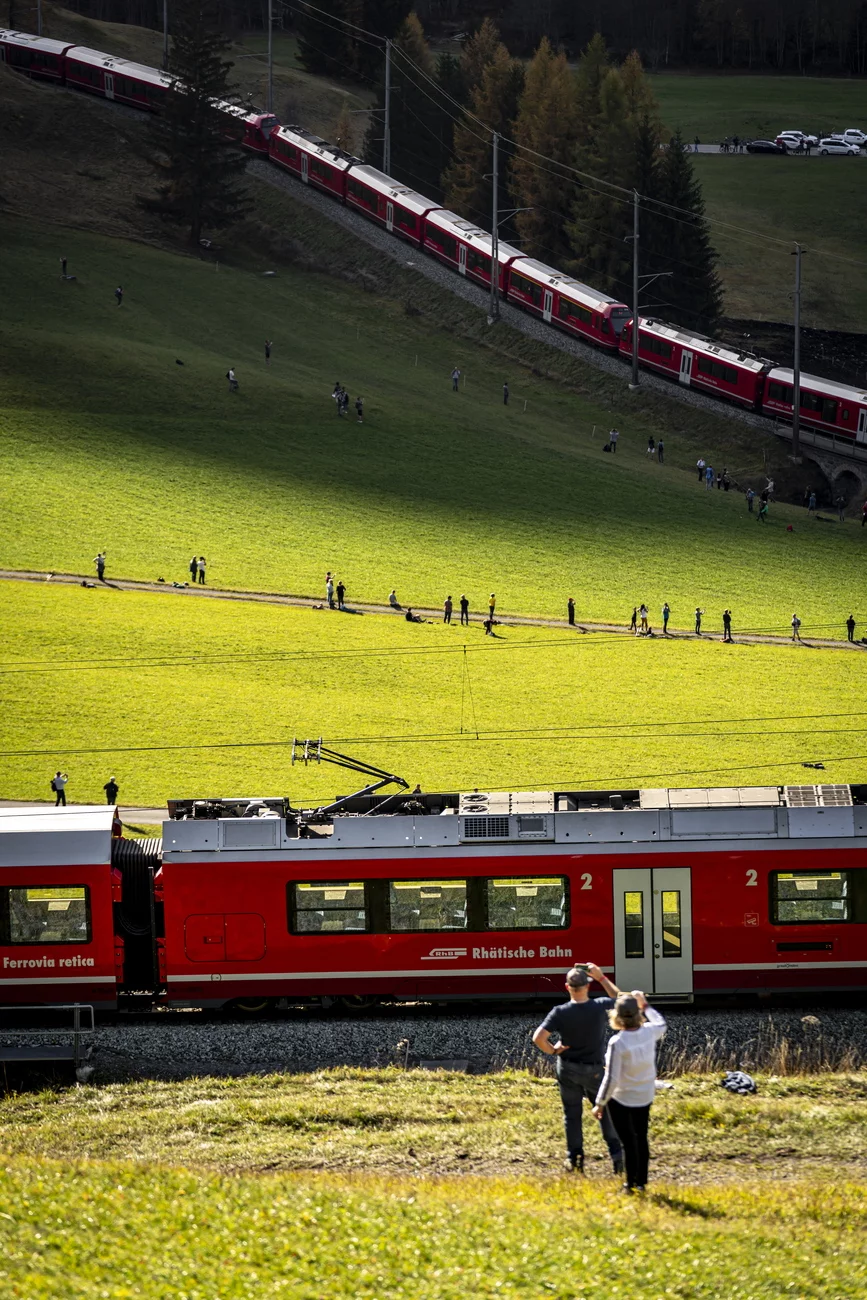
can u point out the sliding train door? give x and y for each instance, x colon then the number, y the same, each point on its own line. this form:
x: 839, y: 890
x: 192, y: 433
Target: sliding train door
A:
x: 653, y: 929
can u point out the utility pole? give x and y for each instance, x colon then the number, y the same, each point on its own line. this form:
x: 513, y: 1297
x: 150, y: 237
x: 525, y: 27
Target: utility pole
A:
x: 38, y: 17
x: 635, y: 212
x: 270, y: 58
x: 165, y: 35
x: 796, y: 386
x: 495, y: 235
x: 386, y: 139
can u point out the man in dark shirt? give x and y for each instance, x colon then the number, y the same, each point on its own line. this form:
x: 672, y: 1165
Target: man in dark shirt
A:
x: 581, y: 1025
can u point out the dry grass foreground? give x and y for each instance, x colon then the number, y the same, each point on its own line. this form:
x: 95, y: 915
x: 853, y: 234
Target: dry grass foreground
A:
x: 158, y: 1191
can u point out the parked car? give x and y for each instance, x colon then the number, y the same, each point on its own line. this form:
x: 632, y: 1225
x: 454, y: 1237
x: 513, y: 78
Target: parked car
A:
x: 765, y: 146
x: 794, y: 140
x: 855, y: 136
x: 838, y: 146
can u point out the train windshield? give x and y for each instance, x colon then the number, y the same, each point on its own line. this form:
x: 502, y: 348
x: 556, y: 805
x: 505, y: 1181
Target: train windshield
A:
x: 619, y: 317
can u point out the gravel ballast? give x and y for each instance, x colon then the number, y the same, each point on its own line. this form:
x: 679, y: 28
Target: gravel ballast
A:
x: 186, y: 1045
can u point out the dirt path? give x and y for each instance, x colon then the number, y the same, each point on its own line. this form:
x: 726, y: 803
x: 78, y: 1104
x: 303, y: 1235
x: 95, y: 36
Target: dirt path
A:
x: 504, y: 620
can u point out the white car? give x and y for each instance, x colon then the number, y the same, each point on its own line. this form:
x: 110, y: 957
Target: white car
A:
x: 854, y: 136
x: 796, y: 139
x: 838, y: 146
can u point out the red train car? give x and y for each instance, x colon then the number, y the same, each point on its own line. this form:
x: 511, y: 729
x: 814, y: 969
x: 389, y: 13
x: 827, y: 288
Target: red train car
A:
x: 443, y: 896
x: 257, y: 127
x: 562, y: 301
x: 698, y: 362
x: 313, y: 160
x: 825, y: 405
x: 35, y: 56
x: 400, y: 210
x: 467, y: 249
x: 118, y: 79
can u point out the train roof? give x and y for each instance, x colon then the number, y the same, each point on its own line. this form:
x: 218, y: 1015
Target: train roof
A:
x: 7, y: 36
x: 701, y: 343
x: 473, y: 234
x: 44, y: 836
x: 377, y: 180
x: 565, y: 284
x: 816, y: 384
x: 123, y: 67
x: 315, y: 144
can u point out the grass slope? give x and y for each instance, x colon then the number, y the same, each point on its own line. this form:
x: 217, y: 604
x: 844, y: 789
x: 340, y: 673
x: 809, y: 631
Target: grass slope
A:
x: 117, y: 1217
x: 758, y: 107
x: 178, y: 697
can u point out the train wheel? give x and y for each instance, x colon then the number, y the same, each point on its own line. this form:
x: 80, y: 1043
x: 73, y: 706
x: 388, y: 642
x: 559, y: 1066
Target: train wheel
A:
x: 358, y: 1001
x: 251, y: 1006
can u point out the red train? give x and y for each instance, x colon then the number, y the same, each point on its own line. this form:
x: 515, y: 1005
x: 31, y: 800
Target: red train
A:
x: 686, y: 893
x: 836, y: 410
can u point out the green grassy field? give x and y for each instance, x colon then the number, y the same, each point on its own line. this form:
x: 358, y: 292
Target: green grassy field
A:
x: 179, y: 1191
x: 713, y: 106
x: 178, y: 697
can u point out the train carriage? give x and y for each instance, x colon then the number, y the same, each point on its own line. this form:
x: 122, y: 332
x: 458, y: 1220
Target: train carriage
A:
x: 825, y: 406
x: 313, y: 160
x: 256, y: 127
x: 467, y: 249
x: 571, y: 306
x: 35, y: 56
x: 697, y: 362
x: 117, y: 79
x: 401, y: 210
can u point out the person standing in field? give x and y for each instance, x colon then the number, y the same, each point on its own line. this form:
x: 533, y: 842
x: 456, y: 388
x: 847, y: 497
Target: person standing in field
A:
x: 642, y: 614
x: 456, y: 379
x: 613, y: 436
x: 666, y: 614
x: 118, y: 293
x: 233, y: 383
x: 202, y: 566
x: 341, y: 593
x: 505, y: 394
x: 699, y: 464
x: 751, y: 496
x: 465, y: 611
x: 629, y: 1084
x: 762, y: 516
x: 841, y: 509
x: 447, y: 610
x: 727, y: 625
x: 660, y: 452
x: 492, y: 605
x: 850, y: 627
x: 267, y: 352
x: 112, y: 790
x: 651, y: 446
x: 194, y: 569
x: 811, y: 504
x: 796, y: 628
x: 99, y: 561
x: 570, y: 610
x: 698, y: 614
x: 63, y: 268
x: 359, y: 410
x: 633, y: 625
x: 58, y: 785
x: 708, y: 478
x: 329, y: 591
x: 581, y: 1027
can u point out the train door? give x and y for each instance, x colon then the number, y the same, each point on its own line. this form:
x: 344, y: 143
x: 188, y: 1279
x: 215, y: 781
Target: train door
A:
x: 548, y: 307
x: 653, y: 929
x: 685, y: 366
x: 861, y: 435
x: 389, y: 216
x: 462, y: 259
x: 109, y: 86
x: 304, y: 169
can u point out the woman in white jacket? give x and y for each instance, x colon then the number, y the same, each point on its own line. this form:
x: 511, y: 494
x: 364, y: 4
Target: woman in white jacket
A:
x: 629, y: 1084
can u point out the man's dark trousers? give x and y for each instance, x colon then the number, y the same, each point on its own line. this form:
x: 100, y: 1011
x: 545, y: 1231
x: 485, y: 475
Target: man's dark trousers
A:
x: 577, y: 1082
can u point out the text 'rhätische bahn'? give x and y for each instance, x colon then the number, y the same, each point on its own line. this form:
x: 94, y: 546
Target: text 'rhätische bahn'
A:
x: 737, y: 377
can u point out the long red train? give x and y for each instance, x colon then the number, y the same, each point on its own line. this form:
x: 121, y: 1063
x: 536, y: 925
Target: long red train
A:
x: 251, y: 903
x: 691, y: 360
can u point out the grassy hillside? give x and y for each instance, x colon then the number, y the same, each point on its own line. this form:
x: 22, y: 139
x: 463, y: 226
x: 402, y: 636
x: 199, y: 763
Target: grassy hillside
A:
x: 197, y: 1172
x: 178, y: 697
x: 758, y: 107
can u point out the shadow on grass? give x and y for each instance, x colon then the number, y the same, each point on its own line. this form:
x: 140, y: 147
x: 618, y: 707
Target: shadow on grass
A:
x: 683, y: 1206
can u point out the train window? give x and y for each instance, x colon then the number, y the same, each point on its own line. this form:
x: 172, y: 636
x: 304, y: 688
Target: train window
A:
x: 671, y: 923
x: 528, y: 903
x: 716, y: 369
x: 825, y: 407
x: 574, y: 311
x: 327, y: 907
x: 527, y: 288
x: 407, y: 221
x: 320, y: 169
x: 810, y: 897
x: 633, y: 922
x: 50, y: 914
x: 427, y: 905
x: 446, y: 245
x: 650, y: 343
x: 363, y: 193
x: 780, y: 393
x: 478, y: 262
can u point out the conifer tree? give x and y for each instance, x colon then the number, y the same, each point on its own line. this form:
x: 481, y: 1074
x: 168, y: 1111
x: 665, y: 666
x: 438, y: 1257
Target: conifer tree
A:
x: 468, y: 182
x: 344, y: 133
x: 545, y: 125
x: 592, y: 70
x: 324, y: 43
x: 692, y: 295
x: 195, y: 146
x: 478, y: 52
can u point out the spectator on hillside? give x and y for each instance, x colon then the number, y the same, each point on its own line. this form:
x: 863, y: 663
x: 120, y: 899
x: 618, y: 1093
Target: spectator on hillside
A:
x: 762, y: 516
x: 642, y: 614
x: 666, y: 614
x: 811, y: 504
x: 392, y: 599
x: 633, y: 625
x: 727, y: 625
x: 850, y: 627
x: 447, y: 610
x: 194, y: 569
x: 613, y: 436
x: 118, y: 293
x: 63, y: 268
x: 751, y: 496
x: 465, y: 611
x: 698, y: 614
x: 58, y: 785
x: 505, y: 394
x: 726, y: 481
x: 651, y: 446
x: 359, y: 409
x: 696, y: 142
x: 570, y: 611
x: 699, y: 464
x: 770, y: 489
x: 233, y: 383
x: 708, y: 478
x: 99, y: 561
x: 660, y: 451
x: 341, y: 593
x: 111, y: 789
x: 202, y: 567
x: 456, y: 379
x: 329, y: 591
x: 796, y: 628
x: 841, y: 509
x: 413, y: 618
x: 492, y: 604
